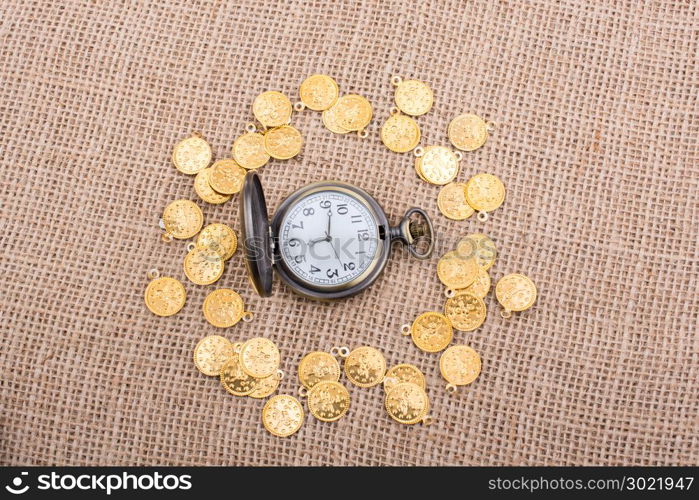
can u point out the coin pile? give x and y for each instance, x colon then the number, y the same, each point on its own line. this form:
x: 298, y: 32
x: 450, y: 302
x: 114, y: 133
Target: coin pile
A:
x: 400, y: 132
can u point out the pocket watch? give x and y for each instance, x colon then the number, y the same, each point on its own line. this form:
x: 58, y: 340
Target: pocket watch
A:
x: 327, y: 240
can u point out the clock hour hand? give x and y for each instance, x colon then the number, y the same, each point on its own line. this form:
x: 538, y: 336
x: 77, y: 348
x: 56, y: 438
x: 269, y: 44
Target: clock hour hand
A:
x: 317, y: 240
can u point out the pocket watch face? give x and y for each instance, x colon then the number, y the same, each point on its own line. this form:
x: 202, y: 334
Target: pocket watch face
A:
x: 328, y: 238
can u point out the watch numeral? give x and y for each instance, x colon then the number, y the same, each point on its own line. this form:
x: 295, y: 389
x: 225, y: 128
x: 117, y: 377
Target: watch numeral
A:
x: 363, y: 234
x: 356, y: 219
x: 314, y: 269
x: 349, y: 266
x: 332, y: 273
x: 342, y: 208
x: 325, y: 204
x: 308, y: 211
x: 300, y: 258
x: 297, y: 226
x: 293, y: 242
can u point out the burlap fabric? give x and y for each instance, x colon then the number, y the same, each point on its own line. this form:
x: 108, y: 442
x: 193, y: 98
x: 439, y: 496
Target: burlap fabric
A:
x: 596, y: 106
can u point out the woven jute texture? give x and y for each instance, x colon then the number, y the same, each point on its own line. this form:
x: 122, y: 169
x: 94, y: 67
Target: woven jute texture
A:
x: 596, y: 142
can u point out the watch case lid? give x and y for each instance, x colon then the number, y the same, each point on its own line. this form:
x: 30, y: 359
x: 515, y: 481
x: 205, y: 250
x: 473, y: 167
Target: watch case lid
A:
x: 255, y: 228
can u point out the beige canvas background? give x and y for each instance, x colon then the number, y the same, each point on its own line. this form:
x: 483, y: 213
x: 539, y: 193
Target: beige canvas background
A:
x: 596, y: 105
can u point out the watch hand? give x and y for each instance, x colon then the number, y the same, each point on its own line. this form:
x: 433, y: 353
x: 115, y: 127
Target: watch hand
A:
x: 317, y: 240
x: 332, y: 244
x: 327, y: 233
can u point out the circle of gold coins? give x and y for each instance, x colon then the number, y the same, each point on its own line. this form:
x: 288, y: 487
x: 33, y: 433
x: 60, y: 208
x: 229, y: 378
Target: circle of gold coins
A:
x: 211, y: 353
x: 226, y: 176
x: 365, y: 366
x: 328, y: 401
x: 481, y: 247
x: 220, y: 238
x: 265, y: 387
x: 407, y: 403
x: 182, y: 219
x: 235, y: 380
x: 413, y: 97
x: 400, y: 133
x: 515, y: 292
x: 282, y: 415
x: 451, y: 201
x: 460, y: 365
x: 259, y: 357
x: 165, y: 296
x: 404, y: 373
x: 431, y: 331
x: 437, y: 164
x: 223, y: 308
x: 465, y: 311
x: 330, y: 120
x: 272, y: 109
x: 191, y: 155
x: 319, y: 92
x: 481, y: 286
x: 283, y: 142
x: 353, y: 112
x: 205, y: 191
x: 468, y: 132
x: 203, y: 266
x: 249, y: 150
x: 318, y: 367
x: 485, y: 192
x: 455, y: 271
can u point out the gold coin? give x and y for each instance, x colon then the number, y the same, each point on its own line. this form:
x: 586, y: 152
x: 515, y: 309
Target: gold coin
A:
x: 328, y: 401
x: 365, y: 366
x: 481, y: 286
x: 211, y: 353
x: 403, y: 373
x: 465, y: 311
x: 481, y: 247
x: 282, y: 415
x: 407, y: 403
x: 191, y: 155
x: 515, y: 292
x: 460, y: 365
x: 456, y: 271
x: 283, y: 142
x: 165, y: 296
x: 438, y: 164
x: 265, y: 387
x: 451, y: 201
x: 235, y: 380
x: 223, y: 308
x: 354, y: 112
x: 418, y: 169
x: 318, y: 367
x: 226, y: 176
x: 319, y: 92
x: 220, y: 238
x: 249, y: 150
x: 414, y: 97
x: 259, y: 357
x: 485, y: 192
x: 431, y: 332
x: 203, y: 266
x: 205, y: 191
x: 182, y: 219
x: 272, y: 109
x: 330, y: 121
x: 400, y: 133
x: 467, y: 132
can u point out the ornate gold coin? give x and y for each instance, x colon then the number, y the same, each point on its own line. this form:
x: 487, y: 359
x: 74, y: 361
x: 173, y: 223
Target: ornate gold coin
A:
x: 468, y: 132
x: 460, y: 365
x: 205, y: 191
x: 438, y: 164
x: 365, y: 366
x: 413, y: 97
x: 220, y: 238
x: 353, y: 112
x: 328, y: 401
x: 319, y: 92
x: 211, y: 353
x: 203, y: 266
x: 265, y: 386
x: 481, y: 247
x: 165, y: 296
x: 182, y: 219
x: 485, y: 192
x: 191, y: 155
x: 282, y: 415
x: 431, y: 331
x: 404, y: 373
x: 223, y: 308
x: 451, y: 201
x: 226, y: 176
x: 481, y: 286
x: 283, y: 142
x: 457, y: 272
x: 400, y: 133
x: 318, y: 367
x: 407, y: 403
x: 259, y: 357
x: 330, y: 121
x: 515, y: 292
x: 272, y: 109
x: 249, y: 150
x: 235, y: 380
x: 465, y: 311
